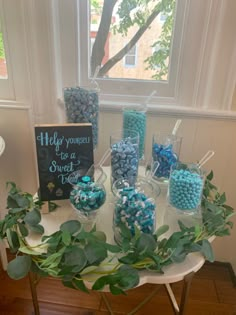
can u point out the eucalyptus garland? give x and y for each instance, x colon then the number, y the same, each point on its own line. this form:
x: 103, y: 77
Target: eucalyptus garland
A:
x: 76, y: 256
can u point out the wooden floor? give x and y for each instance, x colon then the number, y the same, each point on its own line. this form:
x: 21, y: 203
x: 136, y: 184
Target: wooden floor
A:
x: 212, y: 293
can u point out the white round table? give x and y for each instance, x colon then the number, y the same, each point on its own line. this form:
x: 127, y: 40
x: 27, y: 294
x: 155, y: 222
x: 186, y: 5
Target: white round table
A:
x: 2, y: 145
x: 172, y: 273
x: 3, y: 255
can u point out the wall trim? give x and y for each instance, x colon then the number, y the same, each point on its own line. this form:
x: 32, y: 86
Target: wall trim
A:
x: 167, y: 110
x: 13, y: 105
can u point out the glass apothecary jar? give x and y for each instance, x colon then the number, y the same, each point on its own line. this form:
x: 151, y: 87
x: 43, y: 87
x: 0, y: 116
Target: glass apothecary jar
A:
x: 82, y: 106
x: 88, y: 194
x: 135, y: 118
x: 135, y: 206
x: 124, y: 146
x: 185, y: 187
x: 166, y: 151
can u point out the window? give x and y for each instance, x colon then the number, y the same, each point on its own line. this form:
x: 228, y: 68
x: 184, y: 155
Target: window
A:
x: 3, y: 65
x: 195, y: 73
x: 13, y: 53
x: 130, y: 59
x: 121, y: 67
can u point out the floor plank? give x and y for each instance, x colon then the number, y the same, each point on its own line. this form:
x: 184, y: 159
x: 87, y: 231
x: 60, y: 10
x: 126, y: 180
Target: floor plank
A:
x: 212, y: 293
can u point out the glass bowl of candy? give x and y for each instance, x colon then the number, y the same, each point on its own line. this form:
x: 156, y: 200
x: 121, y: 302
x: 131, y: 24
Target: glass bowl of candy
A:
x: 134, y: 206
x: 88, y: 194
x: 124, y: 155
x: 185, y: 187
x: 166, y: 151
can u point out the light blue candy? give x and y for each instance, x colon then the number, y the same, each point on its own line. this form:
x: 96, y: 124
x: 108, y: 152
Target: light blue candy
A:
x: 185, y: 189
x: 136, y: 120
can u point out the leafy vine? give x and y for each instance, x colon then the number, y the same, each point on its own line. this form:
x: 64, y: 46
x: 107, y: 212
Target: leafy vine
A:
x: 76, y: 256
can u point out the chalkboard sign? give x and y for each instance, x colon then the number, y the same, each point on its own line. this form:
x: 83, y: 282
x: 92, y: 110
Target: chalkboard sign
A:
x: 61, y: 150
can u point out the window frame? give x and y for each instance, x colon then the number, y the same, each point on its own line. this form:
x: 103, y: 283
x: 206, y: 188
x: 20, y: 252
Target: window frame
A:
x: 195, y: 86
x: 6, y: 84
x: 135, y: 55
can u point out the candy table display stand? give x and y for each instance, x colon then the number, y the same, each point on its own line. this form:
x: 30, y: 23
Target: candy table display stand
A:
x: 173, y: 273
x: 3, y: 254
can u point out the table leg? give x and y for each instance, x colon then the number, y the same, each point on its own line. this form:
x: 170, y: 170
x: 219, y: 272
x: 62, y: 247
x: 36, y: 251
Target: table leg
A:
x: 181, y: 310
x: 33, y: 282
x: 137, y: 308
x: 185, y: 293
x: 3, y: 255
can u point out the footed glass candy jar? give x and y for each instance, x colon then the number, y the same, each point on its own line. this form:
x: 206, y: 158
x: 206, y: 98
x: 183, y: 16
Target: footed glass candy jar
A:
x: 185, y: 187
x: 135, y: 206
x: 165, y: 150
x: 87, y: 195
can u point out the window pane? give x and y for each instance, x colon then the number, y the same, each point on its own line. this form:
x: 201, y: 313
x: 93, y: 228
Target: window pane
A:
x: 3, y: 66
x: 135, y: 23
x: 129, y: 60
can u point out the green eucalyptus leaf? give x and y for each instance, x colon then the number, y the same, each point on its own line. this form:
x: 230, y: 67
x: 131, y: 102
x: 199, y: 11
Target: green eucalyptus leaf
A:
x: 68, y: 284
x: 100, y: 283
x: 95, y: 253
x: 129, y: 277
x: 210, y: 176
x: 222, y: 199
x: 207, y: 250
x: 11, y: 202
x: 66, y: 238
x: 38, y: 228
x: 52, y: 206
x: 146, y: 243
x: 79, y: 284
x: 88, y: 269
x: 35, y: 269
x: 112, y: 248
x: 22, y: 201
x: 162, y: 230
x: 28, y: 251
x: 19, y: 267
x: 71, y: 226
x: 13, y: 239
x: 23, y: 230
x: 131, y: 258
x: 116, y: 290
x: 125, y: 231
x: 100, y: 235
x: 33, y: 217
x: 13, y: 188
x: 174, y: 239
x: 75, y: 256
x: 15, y: 210
x: 56, y: 257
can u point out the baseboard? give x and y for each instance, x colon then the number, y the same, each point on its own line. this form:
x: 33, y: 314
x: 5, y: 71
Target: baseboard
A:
x: 228, y: 266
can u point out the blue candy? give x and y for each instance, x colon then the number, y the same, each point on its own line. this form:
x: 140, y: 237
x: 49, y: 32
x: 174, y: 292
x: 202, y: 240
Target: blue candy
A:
x: 123, y: 165
x: 185, y: 189
x: 82, y: 106
x: 87, y: 196
x: 134, y: 208
x: 165, y: 155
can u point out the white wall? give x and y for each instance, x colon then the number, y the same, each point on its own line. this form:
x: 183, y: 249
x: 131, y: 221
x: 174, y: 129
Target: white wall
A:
x: 17, y: 163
